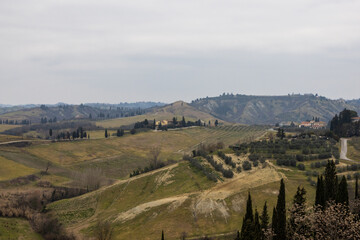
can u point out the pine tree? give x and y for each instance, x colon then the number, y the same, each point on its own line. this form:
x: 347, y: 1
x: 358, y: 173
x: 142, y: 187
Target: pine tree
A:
x: 264, y: 221
x: 330, y: 178
x: 280, y: 230
x: 356, y: 187
x: 162, y: 235
x: 343, y: 196
x: 106, y: 133
x: 50, y: 132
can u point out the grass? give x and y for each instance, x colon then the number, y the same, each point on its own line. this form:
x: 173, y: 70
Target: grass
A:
x: 10, y: 169
x: 15, y: 228
x: 110, y: 203
x: 4, y: 127
x: 354, y: 149
x: 118, y: 156
x: 8, y: 138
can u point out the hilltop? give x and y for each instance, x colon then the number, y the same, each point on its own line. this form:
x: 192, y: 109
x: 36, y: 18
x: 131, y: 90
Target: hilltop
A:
x: 272, y: 109
x: 177, y: 109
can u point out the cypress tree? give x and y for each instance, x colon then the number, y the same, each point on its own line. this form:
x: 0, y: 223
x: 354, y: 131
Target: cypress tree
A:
x: 330, y: 178
x: 336, y: 187
x: 237, y: 236
x: 299, y: 197
x: 162, y: 235
x: 297, y: 210
x: 320, y: 195
x: 274, y: 223
x: 106, y: 133
x: 264, y: 221
x: 343, y: 196
x: 257, y: 227
x: 280, y: 230
x: 247, y: 229
x: 356, y: 187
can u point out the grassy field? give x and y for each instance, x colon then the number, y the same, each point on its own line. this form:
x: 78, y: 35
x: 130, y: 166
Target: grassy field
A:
x: 118, y: 156
x: 4, y: 127
x: 177, y: 200
x: 8, y: 138
x: 10, y: 169
x: 354, y: 149
x: 15, y: 228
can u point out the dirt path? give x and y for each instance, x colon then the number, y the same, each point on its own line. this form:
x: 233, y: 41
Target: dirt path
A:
x: 344, y: 150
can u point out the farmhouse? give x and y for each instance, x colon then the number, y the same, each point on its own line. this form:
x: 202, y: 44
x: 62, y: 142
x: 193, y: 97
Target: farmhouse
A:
x: 313, y: 124
x: 355, y: 119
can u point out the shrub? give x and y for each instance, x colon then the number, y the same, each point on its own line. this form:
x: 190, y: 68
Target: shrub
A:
x: 301, y: 167
x: 246, y: 165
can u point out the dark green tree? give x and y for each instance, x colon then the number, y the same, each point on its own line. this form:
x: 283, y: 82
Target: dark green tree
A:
x: 274, y: 223
x: 237, y: 236
x: 298, y: 210
x: 343, y: 196
x: 50, y: 132
x: 330, y: 178
x: 264, y: 221
x: 162, y: 235
x: 257, y: 227
x: 183, y: 122
x: 216, y: 123
x: 320, y: 192
x: 280, y: 230
x: 247, y: 229
x: 356, y: 187
x: 106, y: 133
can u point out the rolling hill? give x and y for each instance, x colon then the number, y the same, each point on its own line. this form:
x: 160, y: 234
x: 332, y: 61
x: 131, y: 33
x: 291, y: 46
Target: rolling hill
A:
x: 272, y: 109
x: 177, y: 109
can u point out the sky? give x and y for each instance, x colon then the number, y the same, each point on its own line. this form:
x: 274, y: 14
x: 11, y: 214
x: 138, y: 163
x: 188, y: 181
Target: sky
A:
x: 78, y: 51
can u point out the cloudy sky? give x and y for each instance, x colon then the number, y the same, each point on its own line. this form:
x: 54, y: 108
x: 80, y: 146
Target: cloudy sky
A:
x: 165, y: 50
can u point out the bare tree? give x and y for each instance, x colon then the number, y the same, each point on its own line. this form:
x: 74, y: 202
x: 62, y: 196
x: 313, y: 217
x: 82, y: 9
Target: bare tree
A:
x: 154, y: 155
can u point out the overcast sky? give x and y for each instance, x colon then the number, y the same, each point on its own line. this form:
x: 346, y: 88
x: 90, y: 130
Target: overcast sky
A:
x: 113, y: 51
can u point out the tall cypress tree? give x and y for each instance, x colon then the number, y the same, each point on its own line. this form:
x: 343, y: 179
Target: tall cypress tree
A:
x: 356, y: 187
x: 280, y: 230
x: 343, y: 196
x: 264, y: 221
x: 274, y: 223
x: 297, y: 210
x: 162, y: 235
x: 247, y: 229
x: 257, y: 227
x: 330, y: 178
x: 320, y: 194
x: 237, y: 236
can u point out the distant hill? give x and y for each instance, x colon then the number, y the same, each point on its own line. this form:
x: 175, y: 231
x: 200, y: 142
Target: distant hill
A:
x: 62, y: 111
x: 272, y: 109
x: 177, y: 109
x: 142, y: 105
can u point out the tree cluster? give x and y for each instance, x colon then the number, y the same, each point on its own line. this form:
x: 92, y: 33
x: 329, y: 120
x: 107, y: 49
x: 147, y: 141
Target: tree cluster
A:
x: 343, y: 126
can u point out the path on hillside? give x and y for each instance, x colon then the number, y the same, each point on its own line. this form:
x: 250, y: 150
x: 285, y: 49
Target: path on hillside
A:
x: 344, y: 150
x: 22, y: 141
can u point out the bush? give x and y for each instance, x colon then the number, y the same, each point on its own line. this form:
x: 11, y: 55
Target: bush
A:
x: 301, y: 167
x: 246, y: 165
